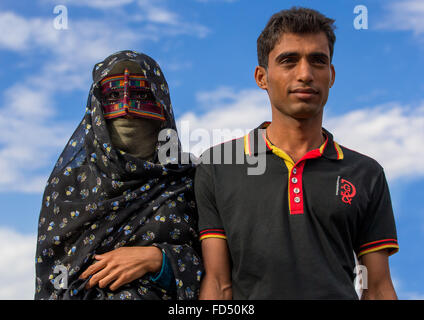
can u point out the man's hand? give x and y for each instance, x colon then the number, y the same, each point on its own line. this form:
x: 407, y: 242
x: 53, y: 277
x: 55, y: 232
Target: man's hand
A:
x: 123, y: 265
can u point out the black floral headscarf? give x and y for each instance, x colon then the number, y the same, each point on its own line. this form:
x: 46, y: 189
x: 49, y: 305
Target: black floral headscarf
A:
x: 99, y: 198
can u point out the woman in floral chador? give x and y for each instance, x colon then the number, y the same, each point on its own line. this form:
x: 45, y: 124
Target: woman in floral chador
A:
x: 117, y: 222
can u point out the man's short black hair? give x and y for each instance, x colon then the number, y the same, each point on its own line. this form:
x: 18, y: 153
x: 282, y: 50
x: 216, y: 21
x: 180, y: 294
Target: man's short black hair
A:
x: 294, y: 20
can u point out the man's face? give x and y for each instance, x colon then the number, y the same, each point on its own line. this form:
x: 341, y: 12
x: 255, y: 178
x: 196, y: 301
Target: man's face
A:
x: 299, y: 75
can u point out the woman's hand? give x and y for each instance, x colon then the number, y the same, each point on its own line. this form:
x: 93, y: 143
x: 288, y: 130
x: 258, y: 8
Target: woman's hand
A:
x: 122, y: 265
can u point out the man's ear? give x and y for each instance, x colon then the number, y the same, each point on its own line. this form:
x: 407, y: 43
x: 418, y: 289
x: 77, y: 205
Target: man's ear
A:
x: 261, y: 77
x: 332, y: 75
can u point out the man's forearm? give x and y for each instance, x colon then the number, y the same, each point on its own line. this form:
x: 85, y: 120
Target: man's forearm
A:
x: 212, y: 289
x: 384, y: 292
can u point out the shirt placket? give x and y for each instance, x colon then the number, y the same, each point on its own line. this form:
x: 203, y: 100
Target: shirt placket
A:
x: 295, y: 184
x: 296, y: 188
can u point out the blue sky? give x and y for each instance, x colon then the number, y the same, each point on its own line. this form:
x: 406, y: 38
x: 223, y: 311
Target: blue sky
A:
x: 207, y: 50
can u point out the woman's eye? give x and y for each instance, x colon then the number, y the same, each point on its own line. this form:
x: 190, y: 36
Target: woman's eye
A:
x: 141, y: 96
x: 113, y: 95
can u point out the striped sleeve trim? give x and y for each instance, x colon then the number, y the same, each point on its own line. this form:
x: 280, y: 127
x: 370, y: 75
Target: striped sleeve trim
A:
x: 212, y: 233
x: 390, y: 244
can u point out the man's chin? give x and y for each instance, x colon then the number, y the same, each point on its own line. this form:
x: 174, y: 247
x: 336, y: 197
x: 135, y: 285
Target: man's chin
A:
x: 303, y: 111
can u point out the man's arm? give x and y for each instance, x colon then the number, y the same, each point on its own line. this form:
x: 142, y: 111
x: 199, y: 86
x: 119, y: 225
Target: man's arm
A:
x: 380, y: 286
x: 216, y: 284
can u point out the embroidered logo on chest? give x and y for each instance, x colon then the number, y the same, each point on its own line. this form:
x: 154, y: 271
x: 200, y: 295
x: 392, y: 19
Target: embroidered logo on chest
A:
x: 347, y: 190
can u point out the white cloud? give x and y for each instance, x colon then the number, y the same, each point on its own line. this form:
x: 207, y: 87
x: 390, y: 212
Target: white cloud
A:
x: 156, y: 13
x: 392, y: 134
x: 412, y: 296
x: 69, y: 54
x: 17, y: 266
x: 402, y: 292
x: 15, y: 31
x: 404, y: 15
x: 29, y: 139
x: 98, y: 4
x: 19, y: 98
x: 158, y: 18
x: 168, y: 22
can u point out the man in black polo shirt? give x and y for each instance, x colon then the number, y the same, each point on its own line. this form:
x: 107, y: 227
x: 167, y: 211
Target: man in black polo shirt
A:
x: 290, y: 229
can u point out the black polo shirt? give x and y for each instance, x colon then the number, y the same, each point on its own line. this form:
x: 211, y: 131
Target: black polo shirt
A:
x: 292, y: 231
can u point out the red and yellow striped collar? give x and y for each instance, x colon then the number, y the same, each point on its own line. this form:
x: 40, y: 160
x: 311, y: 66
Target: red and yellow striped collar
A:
x: 329, y: 149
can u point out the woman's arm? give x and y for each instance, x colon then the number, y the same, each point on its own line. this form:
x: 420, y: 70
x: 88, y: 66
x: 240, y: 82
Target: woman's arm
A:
x: 123, y: 265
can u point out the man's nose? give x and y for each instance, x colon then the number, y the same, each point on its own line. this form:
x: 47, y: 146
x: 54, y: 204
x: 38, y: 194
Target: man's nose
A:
x: 304, y: 71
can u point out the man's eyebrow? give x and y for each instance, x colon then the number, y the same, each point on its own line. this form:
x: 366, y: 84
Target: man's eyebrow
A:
x: 316, y: 54
x: 284, y: 55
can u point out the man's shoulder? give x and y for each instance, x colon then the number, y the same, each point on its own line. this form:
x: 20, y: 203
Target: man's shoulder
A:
x: 224, y: 153
x: 231, y: 142
x: 359, y: 159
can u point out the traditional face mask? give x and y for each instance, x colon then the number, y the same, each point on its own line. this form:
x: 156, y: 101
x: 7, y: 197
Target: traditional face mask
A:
x: 137, y: 137
x: 129, y: 94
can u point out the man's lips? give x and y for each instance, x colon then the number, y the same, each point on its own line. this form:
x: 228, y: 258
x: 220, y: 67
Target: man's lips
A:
x: 304, y: 93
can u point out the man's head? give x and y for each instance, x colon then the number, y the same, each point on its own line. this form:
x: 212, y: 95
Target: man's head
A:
x: 294, y: 53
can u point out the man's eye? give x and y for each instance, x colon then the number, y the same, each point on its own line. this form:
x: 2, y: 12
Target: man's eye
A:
x: 288, y: 60
x: 320, y: 61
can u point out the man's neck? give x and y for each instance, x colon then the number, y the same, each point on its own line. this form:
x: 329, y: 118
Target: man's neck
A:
x: 295, y: 137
